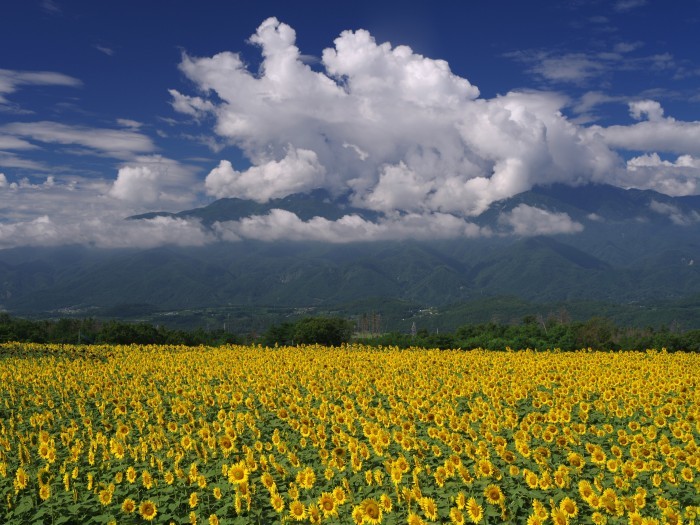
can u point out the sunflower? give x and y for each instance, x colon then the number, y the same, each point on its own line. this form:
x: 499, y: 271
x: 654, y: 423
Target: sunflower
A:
x: 238, y: 473
x: 148, y: 510
x: 687, y: 474
x: 226, y: 444
x: 277, y: 502
x: 673, y: 517
x: 494, y: 495
x: 569, y: 507
x: 371, y: 511
x: 293, y: 491
x: 475, y: 512
x: 429, y: 508
x: 213, y: 519
x: 314, y: 513
x: 339, y: 495
x: 585, y: 489
x: 146, y: 479
x: 44, y: 451
x: 456, y: 516
x: 44, y: 492
x: 267, y: 480
x: 357, y: 516
x: 327, y: 504
x: 540, y: 510
x: 415, y: 519
x: 297, y: 510
x: 594, y: 501
x: 559, y: 517
x: 306, y: 478
x: 193, y: 500
x: 461, y: 500
x: 484, y: 468
x: 534, y: 519
x: 105, y: 497
x: 131, y: 475
x: 598, y: 456
x: 531, y: 479
x: 21, y: 479
x: 128, y: 506
x: 386, y: 503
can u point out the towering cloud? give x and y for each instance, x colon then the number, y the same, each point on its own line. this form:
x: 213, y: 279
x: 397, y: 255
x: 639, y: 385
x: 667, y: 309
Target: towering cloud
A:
x: 394, y: 130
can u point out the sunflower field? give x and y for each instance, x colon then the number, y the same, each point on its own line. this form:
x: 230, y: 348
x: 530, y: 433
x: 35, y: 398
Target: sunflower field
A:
x: 348, y: 435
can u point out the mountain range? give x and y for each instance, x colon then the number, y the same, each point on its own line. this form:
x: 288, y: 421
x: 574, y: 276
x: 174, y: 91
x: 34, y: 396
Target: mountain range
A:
x: 636, y: 259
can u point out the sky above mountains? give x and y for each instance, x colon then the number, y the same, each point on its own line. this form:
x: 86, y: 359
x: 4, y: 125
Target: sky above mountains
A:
x: 425, y: 113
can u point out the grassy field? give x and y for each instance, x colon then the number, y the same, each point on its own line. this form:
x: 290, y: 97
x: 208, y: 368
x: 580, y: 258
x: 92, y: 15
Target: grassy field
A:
x: 247, y: 435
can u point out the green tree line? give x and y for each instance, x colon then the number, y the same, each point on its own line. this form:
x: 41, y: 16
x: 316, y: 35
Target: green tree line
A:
x: 92, y: 331
x: 597, y: 333
x: 531, y: 332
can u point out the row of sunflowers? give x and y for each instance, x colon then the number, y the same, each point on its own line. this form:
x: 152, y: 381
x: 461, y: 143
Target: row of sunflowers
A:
x: 252, y: 435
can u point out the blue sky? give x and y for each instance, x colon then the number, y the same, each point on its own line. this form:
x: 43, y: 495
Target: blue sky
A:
x: 426, y: 112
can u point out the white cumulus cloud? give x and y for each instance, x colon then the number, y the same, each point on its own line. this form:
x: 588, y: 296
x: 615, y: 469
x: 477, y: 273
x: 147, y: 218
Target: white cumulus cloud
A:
x: 157, y: 181
x: 529, y: 220
x: 298, y: 171
x: 676, y: 178
x: 392, y: 129
x: 653, y: 132
x: 650, y: 109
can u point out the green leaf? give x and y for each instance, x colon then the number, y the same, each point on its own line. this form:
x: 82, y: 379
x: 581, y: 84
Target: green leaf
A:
x: 103, y: 518
x: 25, y: 504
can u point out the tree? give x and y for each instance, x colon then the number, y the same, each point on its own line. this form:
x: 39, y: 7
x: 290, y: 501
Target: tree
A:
x: 281, y: 334
x: 330, y: 331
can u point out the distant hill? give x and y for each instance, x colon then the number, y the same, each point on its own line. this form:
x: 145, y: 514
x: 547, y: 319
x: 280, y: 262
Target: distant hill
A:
x: 639, y: 252
x: 317, y: 203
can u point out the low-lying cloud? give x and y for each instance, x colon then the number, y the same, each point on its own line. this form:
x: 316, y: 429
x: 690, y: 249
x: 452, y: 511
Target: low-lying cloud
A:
x: 528, y: 220
x: 284, y: 225
x: 104, y: 233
